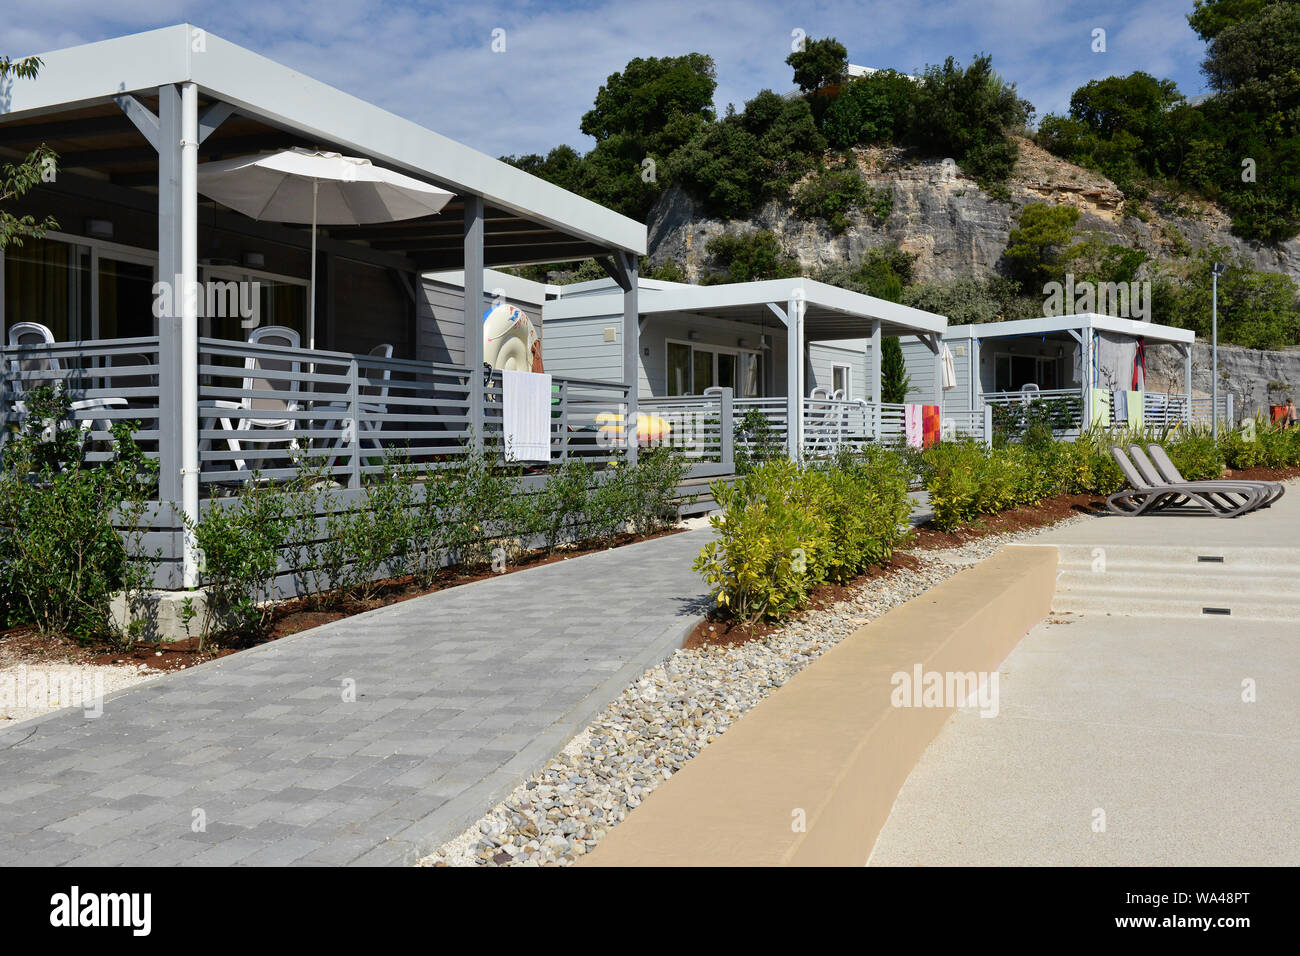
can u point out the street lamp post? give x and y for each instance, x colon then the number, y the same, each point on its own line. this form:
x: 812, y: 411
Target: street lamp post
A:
x: 1216, y: 270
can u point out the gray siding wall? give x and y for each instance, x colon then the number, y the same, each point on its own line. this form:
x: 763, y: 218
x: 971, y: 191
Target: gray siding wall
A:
x: 822, y: 356
x: 576, y: 347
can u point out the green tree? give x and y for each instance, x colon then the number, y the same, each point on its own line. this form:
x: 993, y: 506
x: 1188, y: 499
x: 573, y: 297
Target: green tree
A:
x: 895, y: 383
x: 869, y: 109
x: 973, y: 299
x: 1040, y: 243
x: 819, y: 63
x: 968, y: 114
x: 660, y: 102
x: 747, y: 257
x: 747, y: 158
x: 18, y: 179
x: 1256, y: 309
x: 1212, y: 17
x: 884, y: 271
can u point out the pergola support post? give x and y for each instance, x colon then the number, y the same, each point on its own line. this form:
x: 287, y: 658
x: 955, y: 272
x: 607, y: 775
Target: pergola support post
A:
x: 1083, y: 341
x: 877, y: 378
x: 934, y: 343
x: 622, y: 268
x: 474, y: 315
x: 189, y: 345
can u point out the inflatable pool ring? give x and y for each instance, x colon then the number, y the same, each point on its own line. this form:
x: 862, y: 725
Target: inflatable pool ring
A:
x: 509, y: 340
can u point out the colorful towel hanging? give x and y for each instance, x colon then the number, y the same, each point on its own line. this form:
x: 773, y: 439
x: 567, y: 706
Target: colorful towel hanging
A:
x: 1133, y: 400
x: 930, y: 425
x: 1100, y: 407
x: 921, y: 425
x: 913, y: 426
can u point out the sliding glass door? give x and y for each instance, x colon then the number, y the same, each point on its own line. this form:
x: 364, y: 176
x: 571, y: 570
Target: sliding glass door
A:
x: 693, y: 368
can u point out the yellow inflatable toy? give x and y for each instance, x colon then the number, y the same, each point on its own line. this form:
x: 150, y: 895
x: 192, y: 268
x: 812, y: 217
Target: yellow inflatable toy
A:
x: 649, y: 428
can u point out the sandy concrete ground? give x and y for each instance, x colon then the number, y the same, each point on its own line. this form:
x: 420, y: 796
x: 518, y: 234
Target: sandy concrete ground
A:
x: 1125, y: 740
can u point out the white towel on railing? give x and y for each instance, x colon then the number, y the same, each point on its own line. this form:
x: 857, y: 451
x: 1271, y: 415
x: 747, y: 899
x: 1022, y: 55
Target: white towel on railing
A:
x: 526, y: 415
x: 913, y: 425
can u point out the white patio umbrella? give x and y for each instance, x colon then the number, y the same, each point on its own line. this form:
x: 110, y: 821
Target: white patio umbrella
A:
x: 305, y: 186
x: 949, y: 379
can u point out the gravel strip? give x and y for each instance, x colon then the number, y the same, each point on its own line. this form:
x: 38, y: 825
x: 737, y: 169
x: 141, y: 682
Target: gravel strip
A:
x: 28, y: 691
x: 668, y: 716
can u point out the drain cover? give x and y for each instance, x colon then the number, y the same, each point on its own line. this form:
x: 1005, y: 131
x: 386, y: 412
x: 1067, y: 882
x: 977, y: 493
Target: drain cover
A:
x: 1216, y: 610
x: 1210, y: 558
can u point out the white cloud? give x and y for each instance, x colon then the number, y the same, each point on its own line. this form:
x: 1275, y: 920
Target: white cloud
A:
x: 431, y: 61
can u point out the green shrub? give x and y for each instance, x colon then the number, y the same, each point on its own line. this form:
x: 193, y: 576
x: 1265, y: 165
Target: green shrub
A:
x: 1193, y: 452
x: 831, y: 194
x: 785, y: 528
x: 61, y: 555
x: 654, y: 481
x: 560, y: 507
x: 869, y: 109
x: 756, y: 441
x: 240, y: 544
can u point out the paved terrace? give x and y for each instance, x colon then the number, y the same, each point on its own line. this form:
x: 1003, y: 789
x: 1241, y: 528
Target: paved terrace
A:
x: 460, y: 696
x: 1127, y: 701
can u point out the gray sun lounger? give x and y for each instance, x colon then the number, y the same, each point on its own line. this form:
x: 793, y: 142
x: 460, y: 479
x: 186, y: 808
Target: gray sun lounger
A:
x: 1147, y: 492
x: 1169, y: 471
x: 1226, y: 491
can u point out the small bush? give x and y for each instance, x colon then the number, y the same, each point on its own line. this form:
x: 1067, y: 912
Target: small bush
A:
x: 239, y: 544
x: 61, y: 555
x: 785, y: 528
x: 831, y: 194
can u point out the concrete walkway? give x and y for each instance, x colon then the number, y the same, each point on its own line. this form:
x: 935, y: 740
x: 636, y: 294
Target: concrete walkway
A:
x: 1127, y: 734
x: 459, y: 696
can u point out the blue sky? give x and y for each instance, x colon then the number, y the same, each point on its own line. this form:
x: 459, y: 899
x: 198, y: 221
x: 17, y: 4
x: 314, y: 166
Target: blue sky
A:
x: 433, y: 63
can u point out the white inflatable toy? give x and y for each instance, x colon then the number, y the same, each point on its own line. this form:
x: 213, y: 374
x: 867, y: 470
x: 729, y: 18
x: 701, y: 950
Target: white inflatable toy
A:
x: 509, y: 340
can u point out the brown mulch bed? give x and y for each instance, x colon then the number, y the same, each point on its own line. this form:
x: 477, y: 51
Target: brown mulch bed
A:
x: 1023, y: 518
x: 24, y: 645
x: 1263, y: 474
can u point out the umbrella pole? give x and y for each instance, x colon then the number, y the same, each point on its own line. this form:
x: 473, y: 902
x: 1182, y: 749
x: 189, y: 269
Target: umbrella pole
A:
x: 311, y: 315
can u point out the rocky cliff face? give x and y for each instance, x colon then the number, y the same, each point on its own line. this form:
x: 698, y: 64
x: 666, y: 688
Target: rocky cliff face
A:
x: 953, y: 226
x: 1256, y: 379
x: 957, y: 229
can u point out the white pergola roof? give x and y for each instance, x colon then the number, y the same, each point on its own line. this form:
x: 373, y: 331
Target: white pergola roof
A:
x: 829, y: 312
x: 93, y: 74
x: 1091, y: 321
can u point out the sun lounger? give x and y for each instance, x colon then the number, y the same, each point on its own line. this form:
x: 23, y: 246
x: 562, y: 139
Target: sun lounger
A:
x: 1226, y: 491
x: 1169, y: 471
x: 1148, y: 492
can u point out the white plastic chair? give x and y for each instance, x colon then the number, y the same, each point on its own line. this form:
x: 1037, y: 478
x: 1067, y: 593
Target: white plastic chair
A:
x: 371, y: 402
x: 34, y: 333
x: 822, y: 423
x: 260, y: 412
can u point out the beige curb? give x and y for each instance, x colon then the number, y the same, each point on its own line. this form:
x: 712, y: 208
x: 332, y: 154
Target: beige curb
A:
x: 830, y: 743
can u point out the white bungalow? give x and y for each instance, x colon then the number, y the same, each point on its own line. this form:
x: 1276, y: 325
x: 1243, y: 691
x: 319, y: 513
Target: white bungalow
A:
x: 799, y: 350
x: 1081, y: 360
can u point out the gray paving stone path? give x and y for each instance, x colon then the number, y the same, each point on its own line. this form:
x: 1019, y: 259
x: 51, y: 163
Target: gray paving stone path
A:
x: 459, y: 696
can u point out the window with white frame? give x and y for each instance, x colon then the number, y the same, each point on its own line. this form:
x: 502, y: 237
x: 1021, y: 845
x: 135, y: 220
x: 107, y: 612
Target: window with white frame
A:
x: 691, y: 368
x: 842, y: 380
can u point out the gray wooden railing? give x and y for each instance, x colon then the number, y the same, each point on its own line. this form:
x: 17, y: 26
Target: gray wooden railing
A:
x: 106, y: 382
